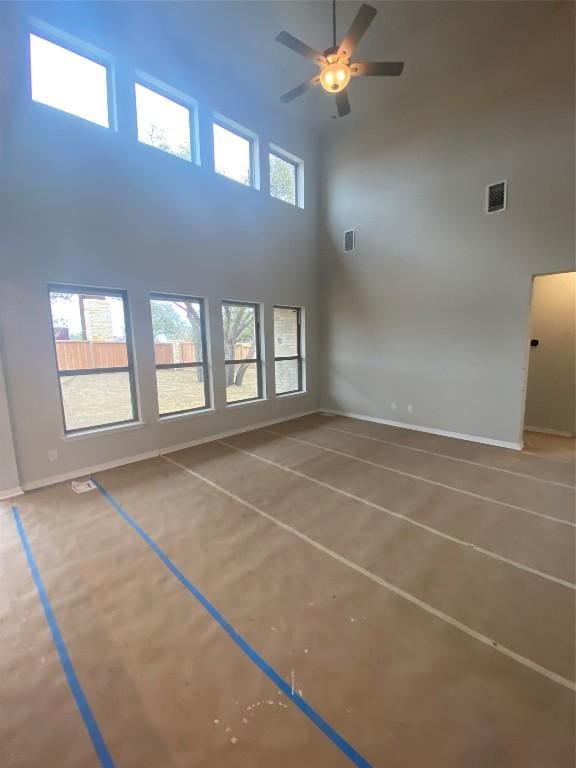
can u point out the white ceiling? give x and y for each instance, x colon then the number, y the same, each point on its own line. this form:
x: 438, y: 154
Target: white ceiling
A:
x: 234, y: 40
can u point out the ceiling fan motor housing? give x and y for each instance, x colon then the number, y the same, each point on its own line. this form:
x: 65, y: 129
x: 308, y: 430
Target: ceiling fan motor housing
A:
x: 335, y: 74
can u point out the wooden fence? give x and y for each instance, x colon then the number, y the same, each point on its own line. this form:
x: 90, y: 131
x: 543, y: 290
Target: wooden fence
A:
x: 242, y: 351
x: 78, y: 355
x: 167, y: 352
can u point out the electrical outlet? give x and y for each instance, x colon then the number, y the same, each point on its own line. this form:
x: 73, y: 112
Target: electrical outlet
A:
x: 53, y: 454
x: 410, y: 409
x: 393, y: 406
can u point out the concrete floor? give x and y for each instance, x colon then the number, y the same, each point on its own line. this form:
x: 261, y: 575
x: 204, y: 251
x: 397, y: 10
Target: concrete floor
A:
x: 413, y: 594
x: 550, y: 446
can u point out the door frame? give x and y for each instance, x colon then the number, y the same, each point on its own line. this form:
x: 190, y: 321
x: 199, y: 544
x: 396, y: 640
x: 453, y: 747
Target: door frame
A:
x: 527, y: 338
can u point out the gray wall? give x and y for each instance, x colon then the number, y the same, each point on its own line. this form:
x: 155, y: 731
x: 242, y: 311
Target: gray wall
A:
x: 9, y: 480
x: 551, y: 392
x: 432, y: 309
x: 86, y: 206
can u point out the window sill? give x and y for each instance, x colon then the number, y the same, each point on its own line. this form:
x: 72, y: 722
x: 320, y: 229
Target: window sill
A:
x: 237, y: 183
x: 187, y: 415
x: 291, y: 394
x: 246, y: 402
x: 98, y: 431
x: 296, y: 205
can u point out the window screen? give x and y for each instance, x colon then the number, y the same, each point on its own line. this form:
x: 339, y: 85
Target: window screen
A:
x: 178, y: 326
x: 288, y: 362
x: 283, y: 179
x: 68, y: 81
x: 242, y: 351
x: 94, y: 357
x: 233, y: 155
x: 163, y: 123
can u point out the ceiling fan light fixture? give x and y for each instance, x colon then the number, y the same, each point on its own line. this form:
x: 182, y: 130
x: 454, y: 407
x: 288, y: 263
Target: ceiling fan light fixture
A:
x: 335, y: 67
x: 335, y: 76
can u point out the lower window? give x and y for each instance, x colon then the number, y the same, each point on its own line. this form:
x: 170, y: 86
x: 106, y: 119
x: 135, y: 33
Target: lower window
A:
x: 94, y: 357
x: 242, y: 350
x: 179, y: 330
x: 288, y: 364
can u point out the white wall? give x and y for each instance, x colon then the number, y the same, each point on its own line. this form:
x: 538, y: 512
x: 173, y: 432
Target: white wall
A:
x: 87, y: 206
x: 551, y: 391
x: 432, y: 309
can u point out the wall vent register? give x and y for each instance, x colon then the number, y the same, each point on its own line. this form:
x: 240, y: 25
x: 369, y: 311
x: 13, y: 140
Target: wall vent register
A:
x: 349, y: 240
x: 496, y: 197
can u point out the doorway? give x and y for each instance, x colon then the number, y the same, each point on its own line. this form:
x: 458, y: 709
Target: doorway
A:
x: 550, y: 413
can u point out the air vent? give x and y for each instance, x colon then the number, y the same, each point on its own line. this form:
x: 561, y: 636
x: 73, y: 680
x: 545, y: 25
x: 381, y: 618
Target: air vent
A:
x: 496, y: 197
x: 349, y: 240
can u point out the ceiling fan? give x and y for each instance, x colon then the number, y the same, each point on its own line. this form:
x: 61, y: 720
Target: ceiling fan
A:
x: 335, y: 66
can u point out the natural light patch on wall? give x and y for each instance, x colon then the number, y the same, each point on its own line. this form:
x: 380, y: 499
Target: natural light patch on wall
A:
x: 232, y: 155
x: 163, y: 123
x: 67, y: 81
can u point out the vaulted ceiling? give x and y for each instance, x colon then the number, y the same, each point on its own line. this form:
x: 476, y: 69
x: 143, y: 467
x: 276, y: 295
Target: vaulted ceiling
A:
x: 434, y: 38
x: 237, y: 40
x: 230, y: 45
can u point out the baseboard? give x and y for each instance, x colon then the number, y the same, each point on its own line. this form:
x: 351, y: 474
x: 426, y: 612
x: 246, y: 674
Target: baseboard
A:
x: 72, y: 475
x: 75, y: 473
x: 555, y: 432
x: 9, y: 493
x: 429, y: 430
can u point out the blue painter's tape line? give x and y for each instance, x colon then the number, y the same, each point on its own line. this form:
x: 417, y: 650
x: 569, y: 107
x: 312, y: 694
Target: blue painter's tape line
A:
x: 81, y: 701
x: 253, y: 655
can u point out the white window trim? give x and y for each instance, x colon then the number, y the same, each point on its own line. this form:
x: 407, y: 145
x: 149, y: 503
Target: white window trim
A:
x: 245, y: 133
x: 191, y: 104
x: 299, y: 165
x: 82, y: 48
x: 99, y: 431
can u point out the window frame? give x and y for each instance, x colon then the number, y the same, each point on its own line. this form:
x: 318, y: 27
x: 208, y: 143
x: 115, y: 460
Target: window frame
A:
x: 253, y: 142
x: 200, y: 364
x: 82, y: 48
x: 298, y: 164
x: 129, y: 369
x: 257, y: 360
x: 298, y: 356
x: 178, y: 97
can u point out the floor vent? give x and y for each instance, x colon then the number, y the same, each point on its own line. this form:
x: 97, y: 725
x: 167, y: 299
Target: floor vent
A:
x: 496, y: 197
x: 349, y: 240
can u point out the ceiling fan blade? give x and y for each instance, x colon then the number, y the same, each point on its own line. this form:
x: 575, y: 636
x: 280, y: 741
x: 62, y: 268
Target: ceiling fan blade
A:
x: 299, y: 47
x: 366, y: 68
x: 300, y: 89
x: 363, y: 19
x: 342, y: 104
